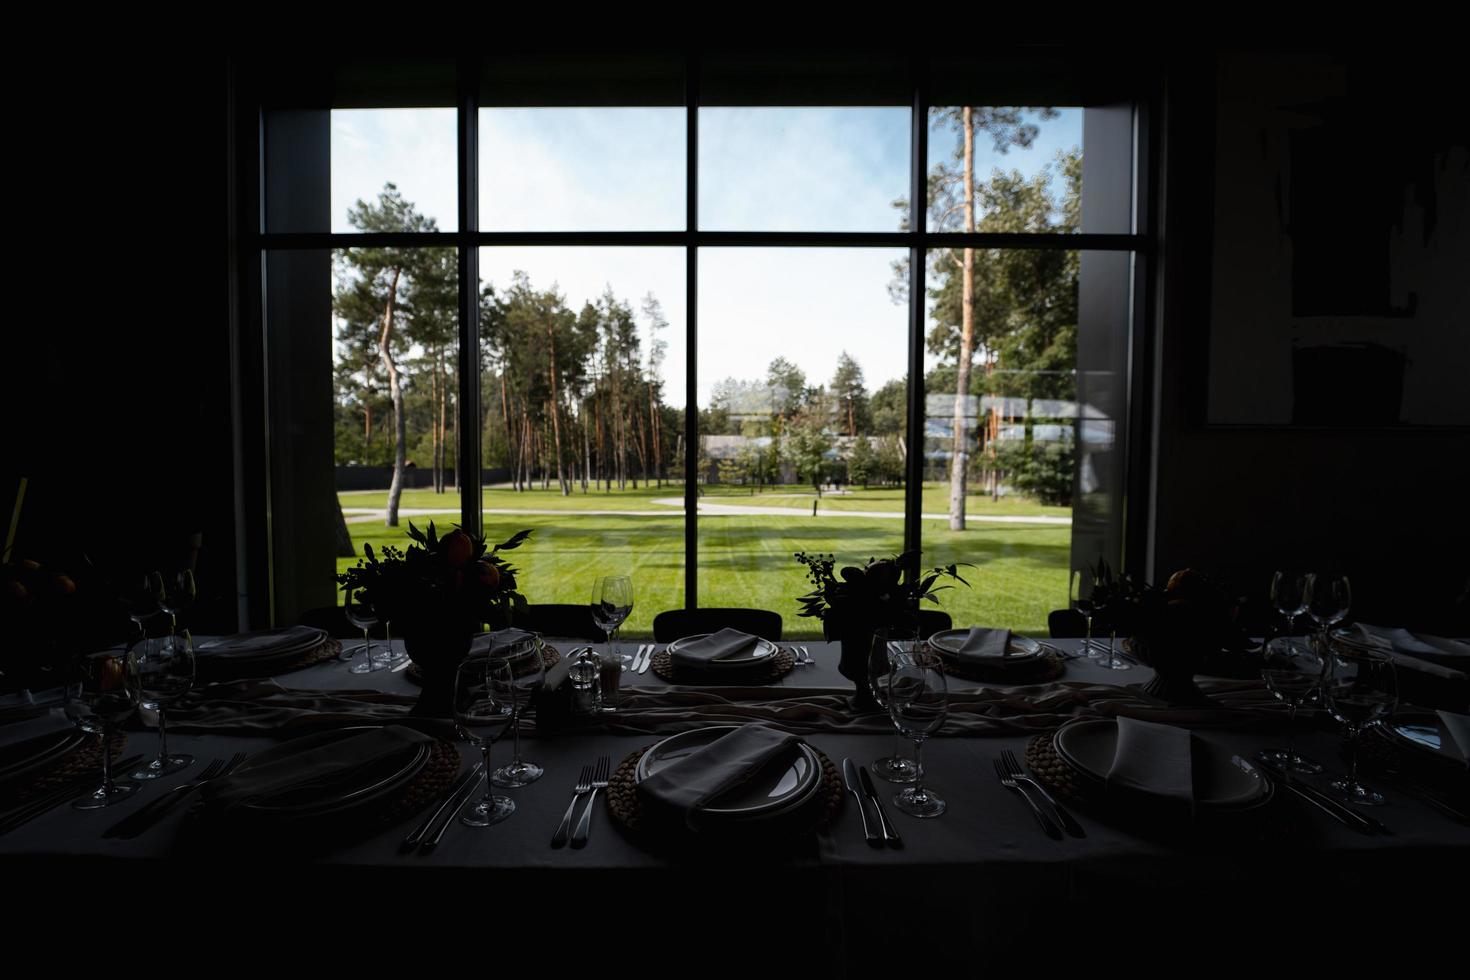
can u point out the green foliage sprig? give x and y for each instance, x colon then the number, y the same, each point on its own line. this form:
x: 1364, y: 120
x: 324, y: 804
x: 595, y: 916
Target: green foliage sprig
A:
x: 883, y: 592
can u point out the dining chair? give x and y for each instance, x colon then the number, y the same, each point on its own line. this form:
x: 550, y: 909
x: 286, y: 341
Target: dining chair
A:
x: 677, y: 623
x: 560, y: 619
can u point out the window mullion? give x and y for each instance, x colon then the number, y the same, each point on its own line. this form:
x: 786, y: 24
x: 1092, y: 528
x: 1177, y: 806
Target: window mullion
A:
x: 467, y: 453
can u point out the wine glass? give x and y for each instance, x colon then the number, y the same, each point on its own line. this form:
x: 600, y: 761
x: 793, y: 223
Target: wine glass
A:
x: 176, y: 595
x: 1289, y: 596
x: 527, y: 675
x: 1359, y: 688
x: 1292, y: 673
x: 142, y: 594
x: 888, y: 647
x: 160, y: 672
x: 362, y: 615
x: 1328, y: 598
x: 1079, y: 590
x: 482, y: 713
x: 917, y: 703
x: 97, y: 702
x: 391, y: 657
x: 612, y: 603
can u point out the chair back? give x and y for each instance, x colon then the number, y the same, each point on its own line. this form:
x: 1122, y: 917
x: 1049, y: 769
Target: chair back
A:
x: 561, y: 619
x: 678, y: 623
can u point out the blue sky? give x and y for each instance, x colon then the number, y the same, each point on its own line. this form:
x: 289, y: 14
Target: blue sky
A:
x: 773, y: 169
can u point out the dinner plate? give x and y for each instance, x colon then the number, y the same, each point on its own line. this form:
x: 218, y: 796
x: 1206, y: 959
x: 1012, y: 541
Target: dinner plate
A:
x: 785, y: 783
x: 35, y: 754
x: 284, y: 642
x: 1420, y: 731
x: 764, y: 650
x: 1223, y: 780
x: 366, y: 786
x: 1020, y: 650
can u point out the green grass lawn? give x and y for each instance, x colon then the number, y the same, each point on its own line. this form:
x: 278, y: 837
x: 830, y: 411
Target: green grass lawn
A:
x: 1020, y: 573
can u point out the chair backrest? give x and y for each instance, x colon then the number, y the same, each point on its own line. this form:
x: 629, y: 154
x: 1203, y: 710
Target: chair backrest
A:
x: 1070, y: 622
x: 561, y: 619
x: 677, y: 623
x: 933, y: 621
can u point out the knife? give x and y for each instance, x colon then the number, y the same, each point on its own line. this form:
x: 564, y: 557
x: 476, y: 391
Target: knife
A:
x: 412, y: 840
x: 648, y: 659
x: 469, y: 789
x: 889, y: 833
x: 1338, y: 811
x: 853, y: 782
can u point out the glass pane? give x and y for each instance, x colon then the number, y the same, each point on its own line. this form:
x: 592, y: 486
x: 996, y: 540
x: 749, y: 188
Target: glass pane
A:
x: 583, y: 393
x: 582, y: 169
x: 802, y: 388
x: 802, y: 169
x: 1024, y: 167
x: 395, y: 333
x: 411, y: 149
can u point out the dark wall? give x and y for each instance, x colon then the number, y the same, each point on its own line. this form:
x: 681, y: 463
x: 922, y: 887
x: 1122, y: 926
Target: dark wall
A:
x: 116, y: 383
x: 1387, y: 505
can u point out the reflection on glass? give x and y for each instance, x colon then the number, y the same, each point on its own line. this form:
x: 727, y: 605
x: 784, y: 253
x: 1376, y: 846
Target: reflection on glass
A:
x: 582, y: 169
x: 802, y: 168
x: 801, y: 422
x: 411, y: 150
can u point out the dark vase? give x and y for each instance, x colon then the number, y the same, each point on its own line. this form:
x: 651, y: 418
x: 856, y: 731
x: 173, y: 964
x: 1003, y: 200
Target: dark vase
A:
x: 857, y: 644
x: 437, y: 652
x: 1174, y: 666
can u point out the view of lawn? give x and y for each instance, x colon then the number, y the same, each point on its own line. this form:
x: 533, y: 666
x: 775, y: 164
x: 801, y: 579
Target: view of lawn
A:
x: 746, y: 560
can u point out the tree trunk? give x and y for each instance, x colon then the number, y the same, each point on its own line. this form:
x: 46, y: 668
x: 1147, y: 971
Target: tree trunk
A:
x: 395, y: 391
x: 343, y: 536
x: 960, y: 457
x: 561, y: 480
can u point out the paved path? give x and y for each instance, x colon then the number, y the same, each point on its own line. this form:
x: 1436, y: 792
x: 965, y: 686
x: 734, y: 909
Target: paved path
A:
x: 366, y: 515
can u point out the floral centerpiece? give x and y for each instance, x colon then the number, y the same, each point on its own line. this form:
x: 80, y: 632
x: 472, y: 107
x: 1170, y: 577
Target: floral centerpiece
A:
x: 52, y: 614
x: 856, y: 601
x: 438, y: 592
x: 1175, y: 629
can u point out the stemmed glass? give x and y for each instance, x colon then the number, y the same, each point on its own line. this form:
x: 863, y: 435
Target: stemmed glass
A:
x: 482, y: 713
x: 142, y: 596
x: 1289, y: 596
x: 612, y: 603
x: 1080, y: 589
x: 527, y: 675
x: 1293, y: 672
x: 1359, y: 688
x: 888, y: 647
x: 364, y: 617
x: 97, y: 702
x: 160, y: 672
x: 175, y: 595
x: 1328, y: 598
x: 918, y: 702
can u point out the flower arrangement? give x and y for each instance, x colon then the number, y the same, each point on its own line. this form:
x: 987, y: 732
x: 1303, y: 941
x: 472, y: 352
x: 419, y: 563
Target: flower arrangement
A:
x: 1176, y: 629
x: 883, y: 592
x: 450, y: 580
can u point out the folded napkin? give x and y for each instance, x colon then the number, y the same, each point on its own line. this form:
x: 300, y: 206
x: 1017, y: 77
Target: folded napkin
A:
x: 264, y: 642
x: 687, y: 785
x: 1455, y: 735
x: 318, y: 765
x: 717, y: 646
x: 1155, y: 761
x: 36, y: 726
x: 497, y: 642
x: 984, y: 645
x: 1430, y: 654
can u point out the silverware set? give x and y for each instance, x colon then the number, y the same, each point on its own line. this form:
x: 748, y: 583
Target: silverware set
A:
x: 593, y: 777
x: 801, y: 655
x: 1341, y: 812
x: 427, y: 835
x: 881, y: 830
x: 155, y: 810
x: 643, y: 658
x: 1050, y: 814
x: 26, y: 812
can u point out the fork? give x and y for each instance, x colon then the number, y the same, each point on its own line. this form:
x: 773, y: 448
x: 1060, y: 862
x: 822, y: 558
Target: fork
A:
x: 806, y: 657
x: 648, y: 659
x: 1009, y: 782
x: 599, y: 781
x: 69, y: 790
x: 584, y: 785
x: 1013, y: 766
x: 151, y: 813
x: 644, y: 654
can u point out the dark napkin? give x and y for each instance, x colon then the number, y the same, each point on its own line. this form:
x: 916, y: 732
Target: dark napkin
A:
x: 717, y: 646
x: 314, y: 766
x: 687, y: 785
x: 1454, y: 736
x: 22, y: 730
x: 1155, y: 762
x: 1419, y: 651
x: 984, y: 646
x: 497, y: 642
x: 264, y: 643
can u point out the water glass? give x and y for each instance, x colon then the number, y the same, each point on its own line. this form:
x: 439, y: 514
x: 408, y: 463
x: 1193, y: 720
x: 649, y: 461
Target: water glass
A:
x: 159, y: 673
x: 1359, y: 688
x: 918, y: 702
x: 482, y: 713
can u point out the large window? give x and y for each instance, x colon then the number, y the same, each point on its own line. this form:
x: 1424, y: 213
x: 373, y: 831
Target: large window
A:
x: 685, y: 321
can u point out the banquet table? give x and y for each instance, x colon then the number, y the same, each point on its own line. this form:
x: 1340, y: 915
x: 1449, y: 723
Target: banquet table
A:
x: 978, y: 884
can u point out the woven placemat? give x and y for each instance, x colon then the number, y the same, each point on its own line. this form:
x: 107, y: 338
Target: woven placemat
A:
x: 779, y: 666
x: 204, y: 829
x: 1047, y: 667
x: 328, y: 650
x: 550, y: 657
x: 1277, y: 821
x: 85, y: 758
x: 1378, y: 752
x: 629, y: 814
